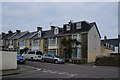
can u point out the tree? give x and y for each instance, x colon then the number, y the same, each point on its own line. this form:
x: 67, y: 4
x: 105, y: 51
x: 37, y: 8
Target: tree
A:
x: 75, y: 44
x: 69, y: 45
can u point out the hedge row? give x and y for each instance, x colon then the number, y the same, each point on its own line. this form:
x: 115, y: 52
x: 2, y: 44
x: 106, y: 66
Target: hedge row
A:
x: 107, y: 61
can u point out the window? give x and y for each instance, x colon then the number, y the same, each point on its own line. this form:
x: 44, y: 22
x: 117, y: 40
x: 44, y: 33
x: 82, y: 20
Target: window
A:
x: 11, y: 43
x: 35, y: 42
x: 67, y: 27
x: 75, y: 37
x: 22, y: 43
x: 56, y: 31
x: 52, y: 41
x: 39, y: 34
x: 78, y: 25
x: 77, y: 53
x: 53, y: 51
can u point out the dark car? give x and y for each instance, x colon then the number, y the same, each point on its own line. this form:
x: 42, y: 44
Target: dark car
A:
x: 20, y: 59
x: 52, y: 58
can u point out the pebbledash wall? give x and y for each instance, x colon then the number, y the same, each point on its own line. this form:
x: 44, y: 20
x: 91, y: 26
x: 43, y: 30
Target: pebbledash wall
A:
x: 93, y: 44
x: 8, y: 60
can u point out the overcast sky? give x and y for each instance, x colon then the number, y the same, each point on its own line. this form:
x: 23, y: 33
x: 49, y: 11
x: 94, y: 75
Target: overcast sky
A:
x: 26, y: 16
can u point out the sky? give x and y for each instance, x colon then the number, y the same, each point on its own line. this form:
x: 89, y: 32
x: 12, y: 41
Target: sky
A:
x: 27, y: 16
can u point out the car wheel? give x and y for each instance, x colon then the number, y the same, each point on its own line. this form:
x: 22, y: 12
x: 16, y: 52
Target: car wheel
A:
x: 31, y: 58
x: 56, y: 61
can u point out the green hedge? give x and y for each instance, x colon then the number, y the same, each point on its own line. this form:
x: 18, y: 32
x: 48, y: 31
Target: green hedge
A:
x: 107, y: 61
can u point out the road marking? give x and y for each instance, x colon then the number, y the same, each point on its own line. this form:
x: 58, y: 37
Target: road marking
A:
x: 69, y: 75
x: 39, y: 69
x: 94, y: 66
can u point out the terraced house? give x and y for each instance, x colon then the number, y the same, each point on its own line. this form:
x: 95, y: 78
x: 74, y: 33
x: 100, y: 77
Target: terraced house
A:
x: 52, y: 41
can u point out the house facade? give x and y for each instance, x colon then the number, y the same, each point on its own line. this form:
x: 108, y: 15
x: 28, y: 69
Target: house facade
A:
x: 49, y: 41
x: 111, y: 44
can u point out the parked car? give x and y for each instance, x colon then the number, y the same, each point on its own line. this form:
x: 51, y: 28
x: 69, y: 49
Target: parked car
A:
x: 20, y: 58
x: 52, y: 58
x: 33, y: 55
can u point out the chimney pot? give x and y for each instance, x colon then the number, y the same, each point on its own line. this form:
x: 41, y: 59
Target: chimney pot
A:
x: 10, y: 32
x: 3, y: 33
x: 39, y: 28
x: 52, y: 27
x: 18, y: 31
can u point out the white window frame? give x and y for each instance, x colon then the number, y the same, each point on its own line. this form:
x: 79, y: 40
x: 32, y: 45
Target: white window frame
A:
x: 22, y: 43
x: 56, y: 31
x: 35, y: 43
x: 39, y: 34
x: 78, y: 25
x: 68, y: 28
x: 52, y: 39
x: 78, y: 37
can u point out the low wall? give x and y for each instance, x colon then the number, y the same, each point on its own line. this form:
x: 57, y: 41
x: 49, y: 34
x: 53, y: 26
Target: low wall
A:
x: 8, y: 60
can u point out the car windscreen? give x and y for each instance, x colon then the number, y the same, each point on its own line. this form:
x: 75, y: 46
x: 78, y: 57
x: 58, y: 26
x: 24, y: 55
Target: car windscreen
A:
x: 31, y: 52
x: 38, y: 53
x: 57, y: 56
x: 18, y: 54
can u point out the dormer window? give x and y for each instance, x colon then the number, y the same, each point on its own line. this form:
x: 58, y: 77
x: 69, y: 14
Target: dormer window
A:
x: 68, y: 27
x: 78, y: 25
x: 39, y: 34
x: 56, y: 31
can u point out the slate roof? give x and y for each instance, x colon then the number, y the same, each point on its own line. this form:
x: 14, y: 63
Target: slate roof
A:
x: 114, y: 42
x: 50, y: 33
x: 94, y: 23
x: 18, y: 35
x: 27, y: 36
x: 7, y: 36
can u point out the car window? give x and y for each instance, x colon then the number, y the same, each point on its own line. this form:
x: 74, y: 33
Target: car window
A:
x: 50, y: 55
x: 31, y: 52
x: 57, y: 56
x: 38, y: 53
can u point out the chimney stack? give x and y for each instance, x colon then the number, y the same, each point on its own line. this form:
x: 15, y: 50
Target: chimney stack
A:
x: 10, y: 32
x: 105, y: 38
x: 3, y: 33
x: 52, y: 27
x: 18, y: 31
x: 39, y: 28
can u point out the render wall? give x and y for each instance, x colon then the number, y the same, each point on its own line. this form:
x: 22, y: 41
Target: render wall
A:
x: 93, y: 44
x: 104, y: 51
x: 8, y: 60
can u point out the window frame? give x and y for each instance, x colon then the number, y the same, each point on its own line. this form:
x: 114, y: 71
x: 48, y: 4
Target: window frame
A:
x: 68, y: 27
x: 78, y: 25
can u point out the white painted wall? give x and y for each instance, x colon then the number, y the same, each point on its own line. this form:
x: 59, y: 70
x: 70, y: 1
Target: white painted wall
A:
x: 8, y: 60
x: 116, y: 50
x: 93, y: 44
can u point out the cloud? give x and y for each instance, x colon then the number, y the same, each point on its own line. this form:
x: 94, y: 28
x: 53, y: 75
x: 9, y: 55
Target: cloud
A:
x: 29, y: 15
x: 60, y: 0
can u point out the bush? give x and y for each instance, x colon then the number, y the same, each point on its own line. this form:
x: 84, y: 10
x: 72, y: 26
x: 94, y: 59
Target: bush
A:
x: 107, y: 61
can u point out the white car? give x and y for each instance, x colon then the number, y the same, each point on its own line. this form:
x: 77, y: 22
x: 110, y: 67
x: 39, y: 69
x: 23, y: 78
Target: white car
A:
x: 33, y: 55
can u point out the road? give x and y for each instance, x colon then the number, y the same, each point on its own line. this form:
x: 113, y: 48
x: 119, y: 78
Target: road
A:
x: 51, y: 70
